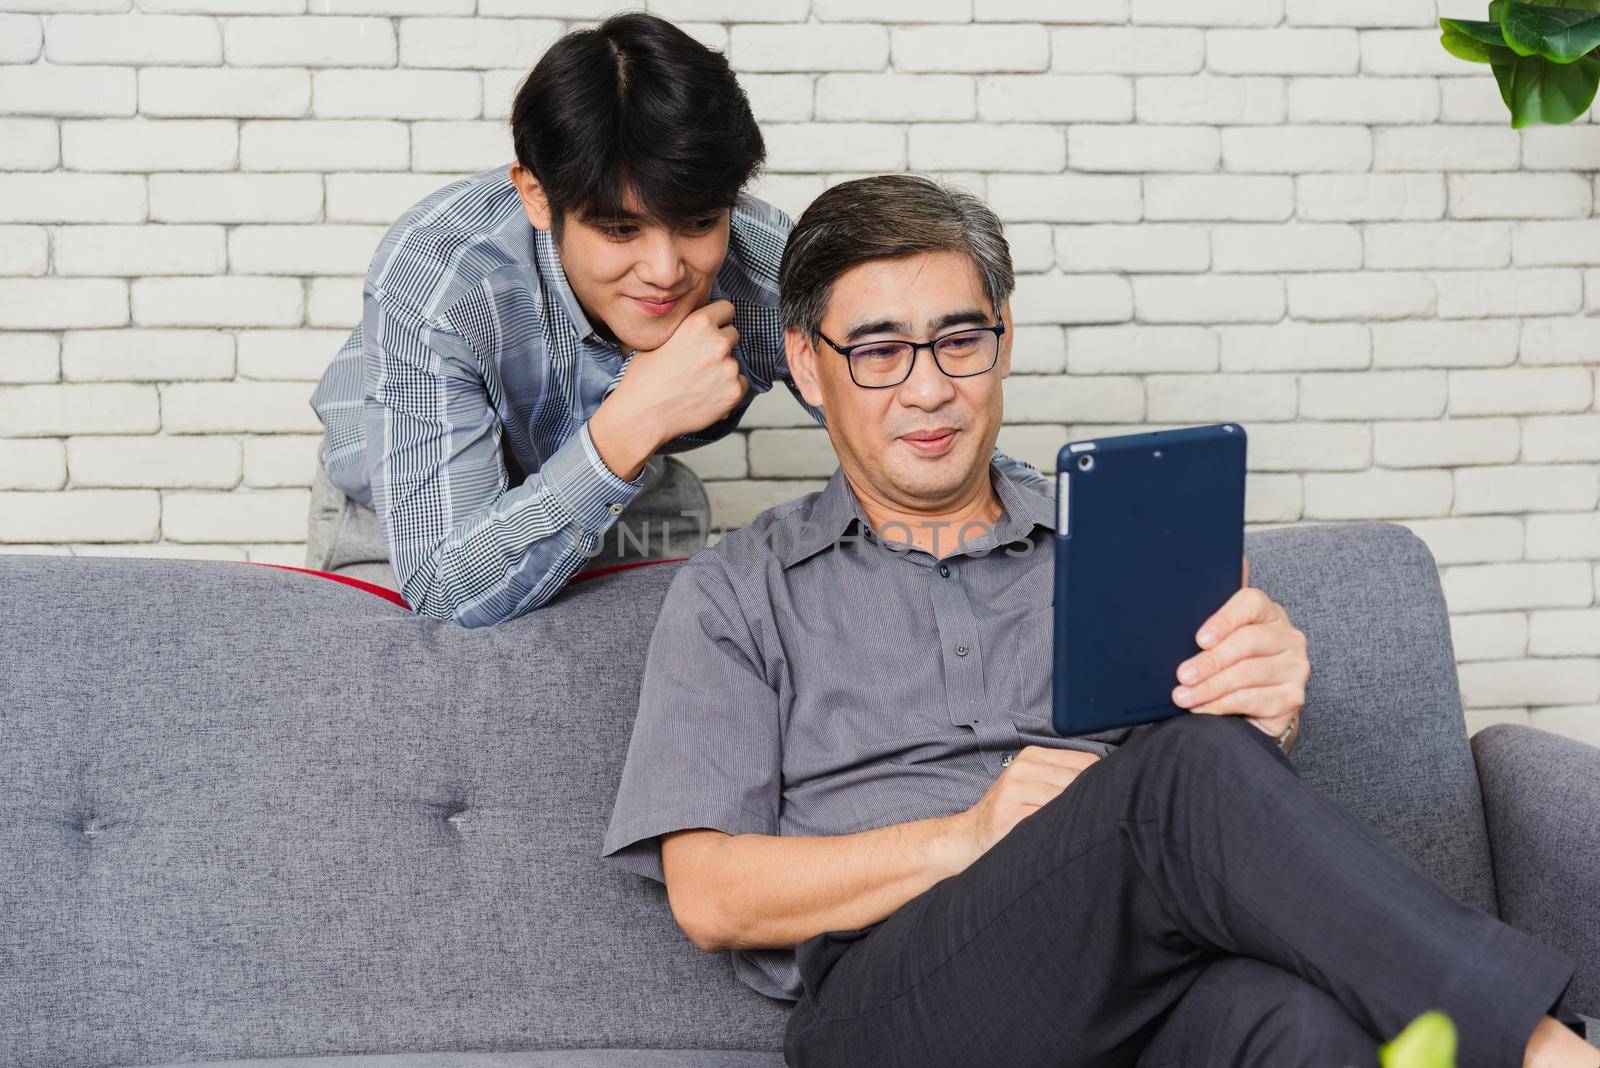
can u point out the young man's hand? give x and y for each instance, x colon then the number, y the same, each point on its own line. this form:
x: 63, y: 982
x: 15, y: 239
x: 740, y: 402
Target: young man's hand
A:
x: 1035, y: 776
x: 1253, y: 665
x: 685, y: 385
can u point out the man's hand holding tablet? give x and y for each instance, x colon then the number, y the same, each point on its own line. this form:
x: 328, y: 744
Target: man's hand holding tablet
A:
x: 1149, y: 541
x: 1253, y: 663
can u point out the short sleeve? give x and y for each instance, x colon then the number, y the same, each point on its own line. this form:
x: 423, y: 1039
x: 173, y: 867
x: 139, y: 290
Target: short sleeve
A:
x: 705, y: 750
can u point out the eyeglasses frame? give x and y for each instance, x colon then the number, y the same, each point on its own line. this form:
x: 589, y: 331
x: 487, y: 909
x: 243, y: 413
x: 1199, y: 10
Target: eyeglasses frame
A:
x: 845, y: 351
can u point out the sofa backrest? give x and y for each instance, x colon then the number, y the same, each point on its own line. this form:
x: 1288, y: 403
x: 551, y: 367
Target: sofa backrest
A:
x: 1383, y: 729
x: 249, y: 812
x: 246, y: 812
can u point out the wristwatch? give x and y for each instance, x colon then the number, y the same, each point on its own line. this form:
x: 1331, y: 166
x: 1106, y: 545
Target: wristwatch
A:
x: 1288, y: 734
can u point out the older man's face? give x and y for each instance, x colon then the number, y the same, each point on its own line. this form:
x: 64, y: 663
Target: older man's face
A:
x: 881, y: 434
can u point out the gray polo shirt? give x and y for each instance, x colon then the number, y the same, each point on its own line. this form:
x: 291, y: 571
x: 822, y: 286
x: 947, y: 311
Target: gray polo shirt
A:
x: 809, y: 677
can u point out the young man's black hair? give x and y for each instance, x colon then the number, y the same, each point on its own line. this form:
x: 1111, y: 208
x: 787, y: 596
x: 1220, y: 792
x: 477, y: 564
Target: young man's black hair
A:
x: 635, y: 103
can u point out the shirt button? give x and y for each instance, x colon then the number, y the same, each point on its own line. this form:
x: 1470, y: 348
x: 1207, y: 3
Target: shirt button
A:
x: 615, y: 508
x: 961, y: 648
x: 1005, y: 761
x: 944, y: 569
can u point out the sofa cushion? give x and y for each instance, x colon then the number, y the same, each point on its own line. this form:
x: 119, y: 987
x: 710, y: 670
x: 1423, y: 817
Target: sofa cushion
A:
x: 246, y: 812
x: 251, y: 812
x: 573, y: 1058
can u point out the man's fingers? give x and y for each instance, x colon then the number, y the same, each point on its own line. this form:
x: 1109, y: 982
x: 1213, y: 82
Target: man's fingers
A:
x: 1052, y: 776
x: 1062, y: 758
x: 1247, y: 605
x: 1257, y: 702
x: 1036, y: 794
x: 1058, y: 755
x: 719, y: 312
x: 1251, y: 671
x: 1240, y: 645
x: 1270, y: 725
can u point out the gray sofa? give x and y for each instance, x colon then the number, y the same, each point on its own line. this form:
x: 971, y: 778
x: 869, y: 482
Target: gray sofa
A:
x: 250, y: 814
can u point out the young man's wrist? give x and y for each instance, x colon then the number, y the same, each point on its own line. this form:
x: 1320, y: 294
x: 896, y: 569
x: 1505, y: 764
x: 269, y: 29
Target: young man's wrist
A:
x: 620, y: 439
x: 588, y: 491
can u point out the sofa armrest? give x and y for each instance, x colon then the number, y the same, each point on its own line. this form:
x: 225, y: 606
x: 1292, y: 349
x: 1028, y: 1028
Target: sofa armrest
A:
x: 1541, y: 800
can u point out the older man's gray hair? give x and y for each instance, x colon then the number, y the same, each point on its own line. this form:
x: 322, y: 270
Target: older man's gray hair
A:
x: 886, y: 217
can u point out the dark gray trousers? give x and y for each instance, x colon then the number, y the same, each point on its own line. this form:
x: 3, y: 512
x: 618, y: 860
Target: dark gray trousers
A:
x: 1187, y: 900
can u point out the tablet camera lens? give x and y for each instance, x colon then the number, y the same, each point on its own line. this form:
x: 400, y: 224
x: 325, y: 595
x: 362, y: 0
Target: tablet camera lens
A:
x: 1085, y: 462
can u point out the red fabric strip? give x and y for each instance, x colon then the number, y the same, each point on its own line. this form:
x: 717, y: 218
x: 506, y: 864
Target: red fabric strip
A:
x: 393, y: 597
x: 585, y: 576
x: 360, y: 584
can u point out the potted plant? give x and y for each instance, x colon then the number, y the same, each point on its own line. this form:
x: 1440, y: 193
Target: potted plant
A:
x: 1545, y: 56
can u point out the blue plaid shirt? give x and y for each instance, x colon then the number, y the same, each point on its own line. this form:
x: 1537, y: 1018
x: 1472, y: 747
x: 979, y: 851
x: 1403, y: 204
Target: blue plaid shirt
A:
x: 458, y: 409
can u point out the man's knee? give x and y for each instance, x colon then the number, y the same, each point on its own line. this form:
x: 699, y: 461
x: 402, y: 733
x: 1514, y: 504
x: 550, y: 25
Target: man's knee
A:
x: 1305, y: 1025
x: 1200, y: 736
x: 1199, y: 757
x: 1242, y: 1011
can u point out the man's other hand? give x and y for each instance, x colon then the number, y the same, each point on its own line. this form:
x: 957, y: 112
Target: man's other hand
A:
x: 1035, y: 776
x: 1253, y: 664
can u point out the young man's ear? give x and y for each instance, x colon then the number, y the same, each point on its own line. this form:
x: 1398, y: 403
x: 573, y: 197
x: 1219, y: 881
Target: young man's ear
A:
x: 803, y: 366
x: 534, y: 202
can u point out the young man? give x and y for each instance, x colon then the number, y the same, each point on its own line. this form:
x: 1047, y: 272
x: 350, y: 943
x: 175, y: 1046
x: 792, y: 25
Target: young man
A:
x: 534, y: 341
x: 844, y: 772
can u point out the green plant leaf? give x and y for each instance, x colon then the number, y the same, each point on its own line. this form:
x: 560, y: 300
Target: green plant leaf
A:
x: 1502, y: 78
x: 1473, y: 50
x: 1559, y: 34
x: 1487, y: 32
x: 1497, y: 7
x: 1542, y: 91
x: 1429, y: 1041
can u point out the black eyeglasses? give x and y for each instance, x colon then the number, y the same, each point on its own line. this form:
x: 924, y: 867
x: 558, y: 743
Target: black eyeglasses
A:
x: 959, y: 354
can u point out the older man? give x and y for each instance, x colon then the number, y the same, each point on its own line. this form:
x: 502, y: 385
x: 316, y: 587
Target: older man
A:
x: 843, y: 768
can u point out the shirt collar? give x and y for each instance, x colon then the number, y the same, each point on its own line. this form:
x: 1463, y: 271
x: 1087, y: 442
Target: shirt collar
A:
x: 836, y: 509
x: 554, y: 277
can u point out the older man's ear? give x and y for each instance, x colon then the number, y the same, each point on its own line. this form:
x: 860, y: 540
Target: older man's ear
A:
x: 803, y: 366
x: 1003, y: 365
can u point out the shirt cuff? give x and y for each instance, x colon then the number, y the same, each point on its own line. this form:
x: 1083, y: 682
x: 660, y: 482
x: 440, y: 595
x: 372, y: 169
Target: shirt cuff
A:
x: 636, y: 843
x: 579, y: 479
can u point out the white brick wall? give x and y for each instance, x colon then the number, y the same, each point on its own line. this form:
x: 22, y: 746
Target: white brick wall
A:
x: 1297, y: 214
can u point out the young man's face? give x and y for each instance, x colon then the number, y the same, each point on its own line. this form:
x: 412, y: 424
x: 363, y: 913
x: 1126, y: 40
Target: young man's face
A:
x: 636, y: 277
x: 913, y: 298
